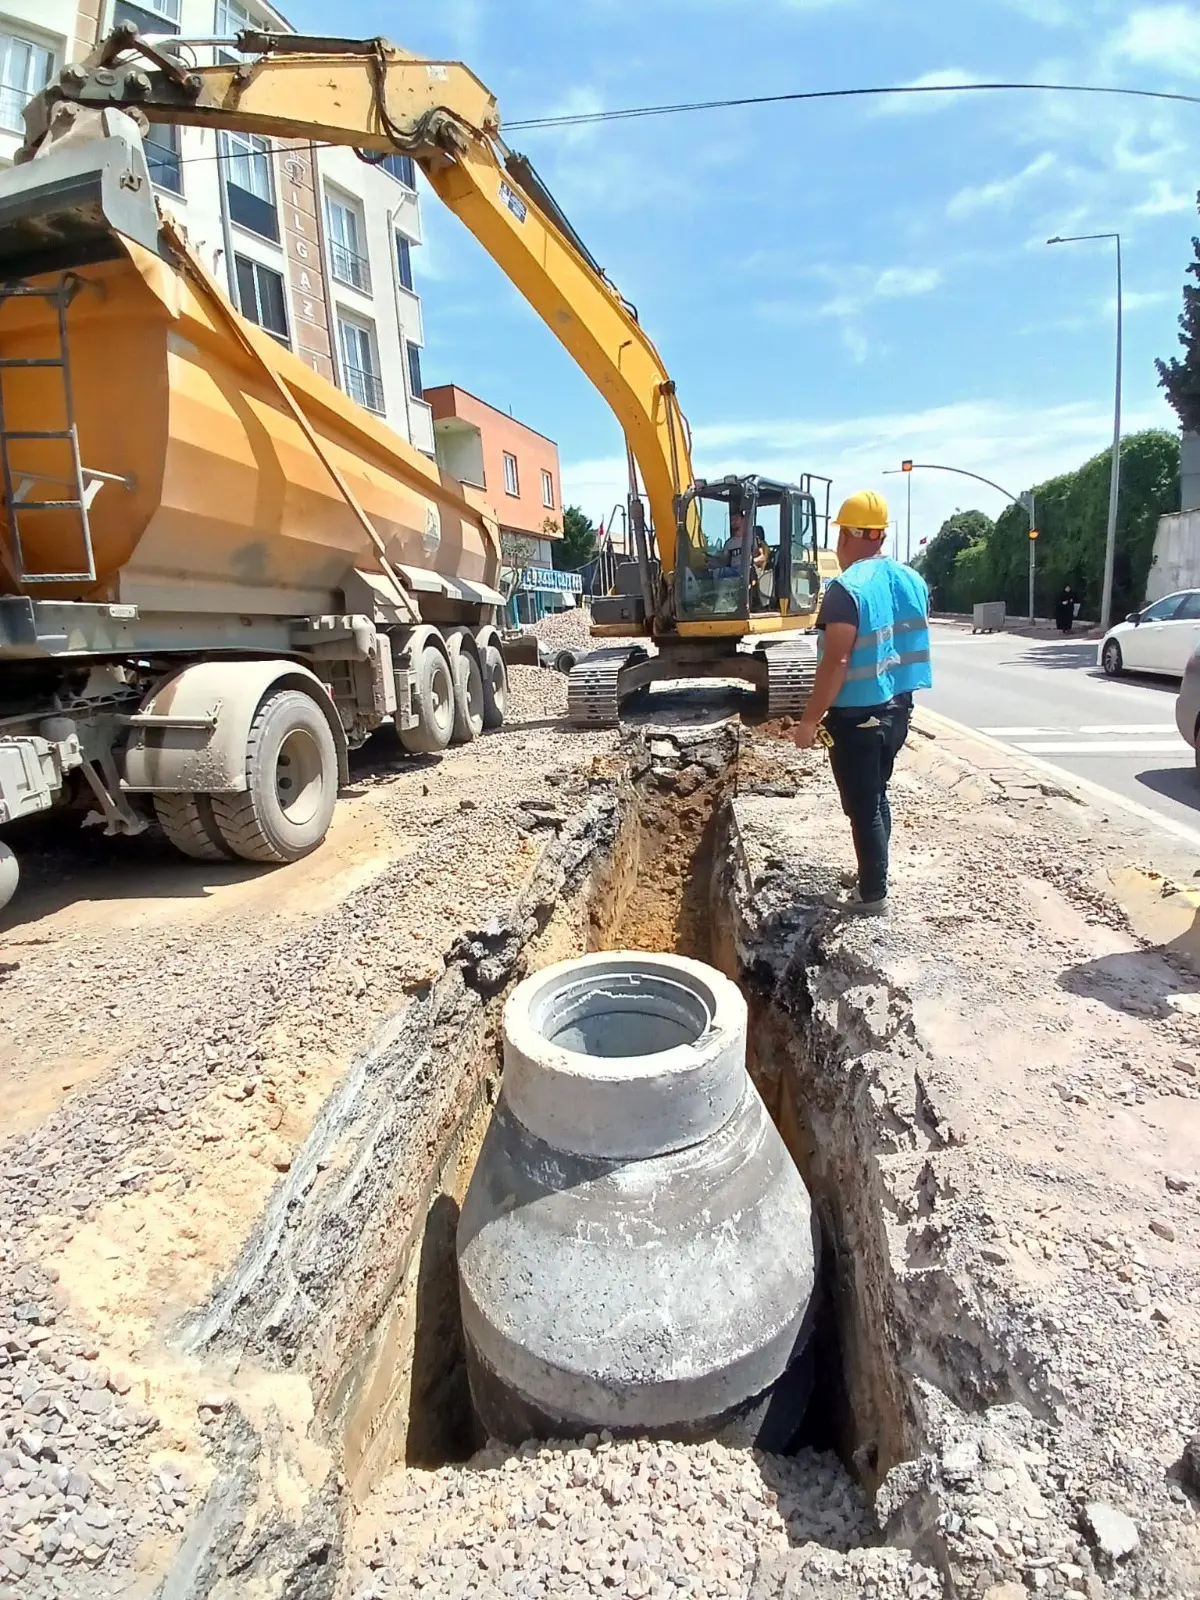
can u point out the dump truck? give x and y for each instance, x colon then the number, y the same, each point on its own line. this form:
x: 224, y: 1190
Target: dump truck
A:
x: 218, y: 574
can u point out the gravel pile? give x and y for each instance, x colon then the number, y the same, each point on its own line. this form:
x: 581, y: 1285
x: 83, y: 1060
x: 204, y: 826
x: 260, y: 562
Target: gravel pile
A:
x: 535, y: 694
x: 633, y: 1518
x: 566, y: 630
x: 56, y: 1512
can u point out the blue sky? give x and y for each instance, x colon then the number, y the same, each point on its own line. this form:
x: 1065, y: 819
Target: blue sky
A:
x: 834, y: 286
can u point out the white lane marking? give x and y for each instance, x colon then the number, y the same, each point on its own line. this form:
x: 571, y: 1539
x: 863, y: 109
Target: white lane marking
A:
x: 1099, y: 727
x: 1106, y: 747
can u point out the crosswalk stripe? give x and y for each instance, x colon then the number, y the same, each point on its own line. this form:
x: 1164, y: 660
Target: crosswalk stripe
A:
x: 1104, y: 747
x: 1100, y: 727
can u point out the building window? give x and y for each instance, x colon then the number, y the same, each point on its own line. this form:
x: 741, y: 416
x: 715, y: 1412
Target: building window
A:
x: 511, y: 482
x: 346, y: 253
x: 25, y: 68
x: 360, y: 364
x: 150, y: 17
x: 161, y: 145
x: 401, y: 168
x: 249, y: 184
x: 415, y: 387
x: 404, y: 261
x: 260, y: 296
x: 548, y: 490
x: 232, y: 17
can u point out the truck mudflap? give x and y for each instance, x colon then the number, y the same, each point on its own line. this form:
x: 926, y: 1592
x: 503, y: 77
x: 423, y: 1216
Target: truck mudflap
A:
x: 190, y: 734
x: 67, y: 205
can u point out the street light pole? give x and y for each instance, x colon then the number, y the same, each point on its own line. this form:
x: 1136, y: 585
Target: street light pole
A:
x: 908, y: 534
x: 1114, y: 481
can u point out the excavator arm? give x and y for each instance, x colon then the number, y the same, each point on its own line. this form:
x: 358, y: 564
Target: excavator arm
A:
x: 379, y: 99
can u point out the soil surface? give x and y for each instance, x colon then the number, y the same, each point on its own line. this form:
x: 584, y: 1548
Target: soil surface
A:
x: 170, y: 1031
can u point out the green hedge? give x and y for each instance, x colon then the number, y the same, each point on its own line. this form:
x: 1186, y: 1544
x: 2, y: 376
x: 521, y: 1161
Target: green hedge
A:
x: 1072, y: 517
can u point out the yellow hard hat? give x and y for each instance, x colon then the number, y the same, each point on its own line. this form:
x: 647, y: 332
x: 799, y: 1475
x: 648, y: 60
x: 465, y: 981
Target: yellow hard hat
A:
x: 866, y: 509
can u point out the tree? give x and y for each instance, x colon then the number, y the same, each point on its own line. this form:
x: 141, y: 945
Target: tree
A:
x: 937, y: 561
x: 578, y: 543
x: 1181, y: 379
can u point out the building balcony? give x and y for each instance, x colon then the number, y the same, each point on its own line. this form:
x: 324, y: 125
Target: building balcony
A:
x: 349, y: 267
x: 420, y: 426
x: 364, y: 387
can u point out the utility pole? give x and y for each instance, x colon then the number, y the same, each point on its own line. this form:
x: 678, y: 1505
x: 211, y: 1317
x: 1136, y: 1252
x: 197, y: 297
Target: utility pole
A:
x: 1031, y: 507
x: 1114, y: 479
x: 906, y: 468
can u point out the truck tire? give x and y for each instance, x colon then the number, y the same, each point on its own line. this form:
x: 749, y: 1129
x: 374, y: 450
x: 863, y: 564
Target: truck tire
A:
x: 495, y: 687
x: 292, y: 782
x: 468, y: 689
x: 10, y: 875
x: 188, y: 822
x: 433, y: 696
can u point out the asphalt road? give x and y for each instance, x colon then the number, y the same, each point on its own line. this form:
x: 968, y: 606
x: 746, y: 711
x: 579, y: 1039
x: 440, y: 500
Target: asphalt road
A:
x: 1047, y: 697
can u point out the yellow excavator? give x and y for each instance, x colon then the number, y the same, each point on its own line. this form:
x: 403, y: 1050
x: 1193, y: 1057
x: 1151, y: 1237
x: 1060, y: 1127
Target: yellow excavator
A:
x: 727, y: 573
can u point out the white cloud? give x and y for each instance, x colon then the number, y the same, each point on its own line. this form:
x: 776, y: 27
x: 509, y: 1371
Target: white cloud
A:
x: 858, y: 346
x: 862, y: 285
x: 1161, y: 36
x: 1163, y: 200
x: 581, y: 101
x: 1013, y: 443
x: 897, y: 283
x: 1141, y: 300
x: 907, y: 105
x: 1001, y: 191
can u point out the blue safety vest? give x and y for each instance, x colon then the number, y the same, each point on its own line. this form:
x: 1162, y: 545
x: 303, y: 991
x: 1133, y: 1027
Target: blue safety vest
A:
x: 891, y: 652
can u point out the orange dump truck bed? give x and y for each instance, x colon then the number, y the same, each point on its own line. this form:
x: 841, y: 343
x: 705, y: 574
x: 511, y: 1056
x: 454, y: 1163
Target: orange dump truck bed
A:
x: 216, y: 571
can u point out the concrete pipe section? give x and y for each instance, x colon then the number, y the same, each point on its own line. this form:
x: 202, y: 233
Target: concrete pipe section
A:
x: 637, y: 1250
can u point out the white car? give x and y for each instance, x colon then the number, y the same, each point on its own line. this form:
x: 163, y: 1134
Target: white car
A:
x: 1160, y: 638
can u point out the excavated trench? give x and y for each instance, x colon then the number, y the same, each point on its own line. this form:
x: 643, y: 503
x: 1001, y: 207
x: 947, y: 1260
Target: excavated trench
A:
x: 351, y: 1277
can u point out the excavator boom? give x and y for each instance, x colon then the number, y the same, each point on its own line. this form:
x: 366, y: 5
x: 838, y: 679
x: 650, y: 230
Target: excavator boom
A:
x: 379, y: 99
x: 739, y: 568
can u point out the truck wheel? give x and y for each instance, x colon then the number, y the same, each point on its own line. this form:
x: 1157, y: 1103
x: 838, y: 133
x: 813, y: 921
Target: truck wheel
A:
x: 188, y: 822
x: 468, y: 691
x: 292, y: 777
x: 434, y: 697
x: 495, y: 687
x: 9, y: 875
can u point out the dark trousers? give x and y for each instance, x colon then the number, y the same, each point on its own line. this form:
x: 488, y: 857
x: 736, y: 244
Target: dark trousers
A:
x: 865, y: 746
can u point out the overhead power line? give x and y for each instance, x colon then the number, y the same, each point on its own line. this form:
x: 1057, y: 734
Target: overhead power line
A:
x: 628, y: 113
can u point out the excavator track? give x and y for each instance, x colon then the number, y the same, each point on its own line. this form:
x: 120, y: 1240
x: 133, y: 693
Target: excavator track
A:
x: 594, y: 687
x: 791, y: 672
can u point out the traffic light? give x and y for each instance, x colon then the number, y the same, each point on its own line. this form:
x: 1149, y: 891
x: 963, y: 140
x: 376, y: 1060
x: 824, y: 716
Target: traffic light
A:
x: 1033, y: 533
x: 906, y: 466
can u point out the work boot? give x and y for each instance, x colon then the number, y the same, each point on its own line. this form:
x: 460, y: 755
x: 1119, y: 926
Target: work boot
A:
x: 855, y: 906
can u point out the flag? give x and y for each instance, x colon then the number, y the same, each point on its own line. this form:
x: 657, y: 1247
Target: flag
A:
x: 924, y: 541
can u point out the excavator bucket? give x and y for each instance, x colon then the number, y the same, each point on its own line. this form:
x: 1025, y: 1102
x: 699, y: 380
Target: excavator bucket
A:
x: 66, y: 205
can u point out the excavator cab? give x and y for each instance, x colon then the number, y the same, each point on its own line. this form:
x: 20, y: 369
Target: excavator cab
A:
x: 746, y: 553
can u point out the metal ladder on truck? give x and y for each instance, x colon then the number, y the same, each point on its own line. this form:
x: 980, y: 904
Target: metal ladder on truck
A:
x: 82, y: 485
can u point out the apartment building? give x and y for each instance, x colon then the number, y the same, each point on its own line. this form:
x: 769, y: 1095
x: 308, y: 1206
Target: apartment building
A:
x: 517, y: 467
x: 314, y: 244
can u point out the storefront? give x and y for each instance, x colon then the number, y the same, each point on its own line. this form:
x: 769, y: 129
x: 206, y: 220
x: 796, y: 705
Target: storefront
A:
x: 537, y: 591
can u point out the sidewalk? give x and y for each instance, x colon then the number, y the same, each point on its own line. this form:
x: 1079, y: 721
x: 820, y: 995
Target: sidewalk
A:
x: 1019, y: 627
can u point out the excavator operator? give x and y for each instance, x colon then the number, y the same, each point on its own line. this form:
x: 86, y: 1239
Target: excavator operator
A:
x: 874, y: 652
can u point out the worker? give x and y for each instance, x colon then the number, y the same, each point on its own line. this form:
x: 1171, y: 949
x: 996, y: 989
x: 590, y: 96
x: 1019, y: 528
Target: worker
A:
x: 731, y: 552
x: 874, y: 652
